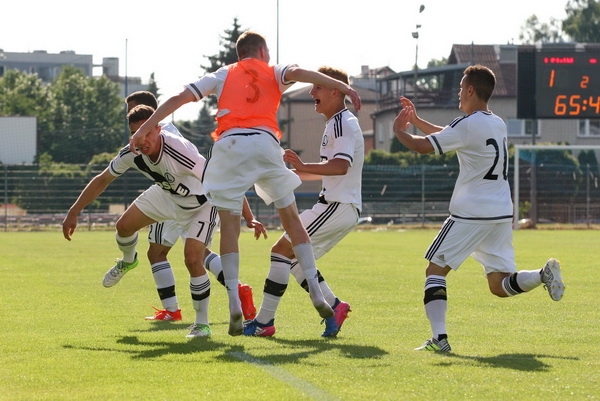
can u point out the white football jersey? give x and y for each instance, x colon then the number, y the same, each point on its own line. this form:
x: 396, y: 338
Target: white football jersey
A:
x: 343, y: 139
x: 481, y: 193
x: 178, y: 169
x: 170, y: 127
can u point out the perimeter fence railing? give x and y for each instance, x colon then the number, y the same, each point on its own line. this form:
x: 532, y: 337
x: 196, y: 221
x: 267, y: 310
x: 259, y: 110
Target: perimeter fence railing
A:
x: 34, y: 197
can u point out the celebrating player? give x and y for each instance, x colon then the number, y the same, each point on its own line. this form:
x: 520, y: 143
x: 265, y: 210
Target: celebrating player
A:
x: 176, y: 166
x: 334, y: 215
x: 246, y: 152
x: 161, y: 238
x: 480, y: 222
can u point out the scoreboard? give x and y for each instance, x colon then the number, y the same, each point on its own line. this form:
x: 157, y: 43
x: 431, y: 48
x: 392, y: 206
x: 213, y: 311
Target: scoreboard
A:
x: 558, y: 83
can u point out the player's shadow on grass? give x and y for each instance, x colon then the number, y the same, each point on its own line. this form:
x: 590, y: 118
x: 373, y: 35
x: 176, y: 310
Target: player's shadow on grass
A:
x: 521, y: 362
x: 155, y: 349
x: 308, y: 348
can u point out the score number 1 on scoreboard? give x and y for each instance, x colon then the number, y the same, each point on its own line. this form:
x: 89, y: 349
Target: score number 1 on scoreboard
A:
x: 568, y: 84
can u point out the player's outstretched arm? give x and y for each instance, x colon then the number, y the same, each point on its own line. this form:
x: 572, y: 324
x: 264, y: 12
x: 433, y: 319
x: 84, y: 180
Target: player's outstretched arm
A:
x: 91, y: 191
x: 315, y: 171
x: 297, y: 74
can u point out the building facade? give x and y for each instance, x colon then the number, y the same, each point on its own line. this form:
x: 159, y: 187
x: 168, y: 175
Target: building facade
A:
x: 436, y: 97
x: 48, y: 66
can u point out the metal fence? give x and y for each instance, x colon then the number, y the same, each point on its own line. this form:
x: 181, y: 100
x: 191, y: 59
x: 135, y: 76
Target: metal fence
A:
x: 34, y: 197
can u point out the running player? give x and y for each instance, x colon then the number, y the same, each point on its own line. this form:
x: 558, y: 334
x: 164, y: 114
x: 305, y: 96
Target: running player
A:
x: 481, y: 209
x: 334, y: 215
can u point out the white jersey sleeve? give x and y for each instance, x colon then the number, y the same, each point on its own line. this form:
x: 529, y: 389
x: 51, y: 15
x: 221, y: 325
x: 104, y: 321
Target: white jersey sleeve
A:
x: 482, y: 192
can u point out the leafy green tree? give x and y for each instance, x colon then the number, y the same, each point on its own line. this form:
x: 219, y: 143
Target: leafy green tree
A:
x: 22, y: 94
x: 198, y: 131
x: 227, y: 54
x: 87, y: 117
x: 534, y: 31
x: 583, y: 21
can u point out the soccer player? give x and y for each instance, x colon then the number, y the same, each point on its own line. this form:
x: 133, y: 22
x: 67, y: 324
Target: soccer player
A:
x: 161, y: 238
x: 247, y: 152
x: 175, y: 165
x: 334, y: 215
x: 480, y: 221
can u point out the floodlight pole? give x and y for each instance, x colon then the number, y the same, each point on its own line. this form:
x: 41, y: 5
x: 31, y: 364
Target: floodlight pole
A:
x: 415, y: 36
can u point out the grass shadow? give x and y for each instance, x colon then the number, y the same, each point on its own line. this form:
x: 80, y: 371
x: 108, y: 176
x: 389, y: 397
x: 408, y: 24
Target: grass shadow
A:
x: 308, y: 348
x: 157, y: 349
x: 519, y: 362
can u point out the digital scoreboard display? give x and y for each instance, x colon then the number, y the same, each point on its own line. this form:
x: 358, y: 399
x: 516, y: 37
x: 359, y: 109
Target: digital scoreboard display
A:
x: 559, y: 84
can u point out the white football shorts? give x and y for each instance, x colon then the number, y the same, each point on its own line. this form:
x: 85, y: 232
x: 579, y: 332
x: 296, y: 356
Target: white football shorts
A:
x: 327, y: 224
x: 198, y: 223
x: 238, y: 161
x: 490, y: 244
x: 165, y: 233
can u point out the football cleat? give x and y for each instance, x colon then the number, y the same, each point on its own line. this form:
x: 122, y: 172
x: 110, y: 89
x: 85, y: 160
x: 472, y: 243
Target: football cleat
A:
x: 199, y: 330
x: 164, y: 314
x: 248, y: 308
x: 253, y: 328
x: 334, y: 324
x: 116, y: 273
x: 435, y: 345
x: 552, y: 279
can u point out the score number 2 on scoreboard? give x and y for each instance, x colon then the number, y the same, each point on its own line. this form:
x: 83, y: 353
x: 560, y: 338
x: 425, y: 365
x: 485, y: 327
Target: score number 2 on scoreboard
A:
x: 568, y: 84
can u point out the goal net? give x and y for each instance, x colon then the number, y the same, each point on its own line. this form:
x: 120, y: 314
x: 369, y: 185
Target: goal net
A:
x: 556, y: 184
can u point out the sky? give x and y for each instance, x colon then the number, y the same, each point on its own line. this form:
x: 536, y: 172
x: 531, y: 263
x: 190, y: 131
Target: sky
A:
x: 171, y: 39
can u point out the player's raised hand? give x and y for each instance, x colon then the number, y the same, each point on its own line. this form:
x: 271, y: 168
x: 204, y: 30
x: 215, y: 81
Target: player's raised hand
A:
x: 402, y: 120
x: 406, y: 103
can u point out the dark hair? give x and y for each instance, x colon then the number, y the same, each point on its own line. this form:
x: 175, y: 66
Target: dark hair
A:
x: 248, y: 44
x: 141, y: 112
x: 335, y: 73
x: 482, y: 79
x: 142, y: 97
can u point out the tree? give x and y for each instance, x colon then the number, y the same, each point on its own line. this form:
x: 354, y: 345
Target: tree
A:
x: 198, y: 132
x: 583, y: 21
x: 535, y: 31
x: 87, y: 117
x: 227, y: 54
x: 153, y: 87
x: 22, y: 94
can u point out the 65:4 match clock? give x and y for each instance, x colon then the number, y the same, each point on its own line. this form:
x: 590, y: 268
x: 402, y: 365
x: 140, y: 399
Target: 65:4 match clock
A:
x: 559, y: 83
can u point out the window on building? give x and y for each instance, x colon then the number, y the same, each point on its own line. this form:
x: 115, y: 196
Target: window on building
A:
x: 589, y: 128
x: 521, y: 127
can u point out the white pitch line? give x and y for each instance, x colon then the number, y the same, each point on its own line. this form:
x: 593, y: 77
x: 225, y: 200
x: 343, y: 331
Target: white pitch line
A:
x: 285, y: 376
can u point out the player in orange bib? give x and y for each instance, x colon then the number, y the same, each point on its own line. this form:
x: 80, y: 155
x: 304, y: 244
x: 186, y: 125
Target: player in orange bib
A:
x: 247, y: 152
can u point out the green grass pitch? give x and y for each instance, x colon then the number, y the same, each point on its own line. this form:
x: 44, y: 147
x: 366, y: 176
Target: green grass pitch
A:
x: 66, y: 337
